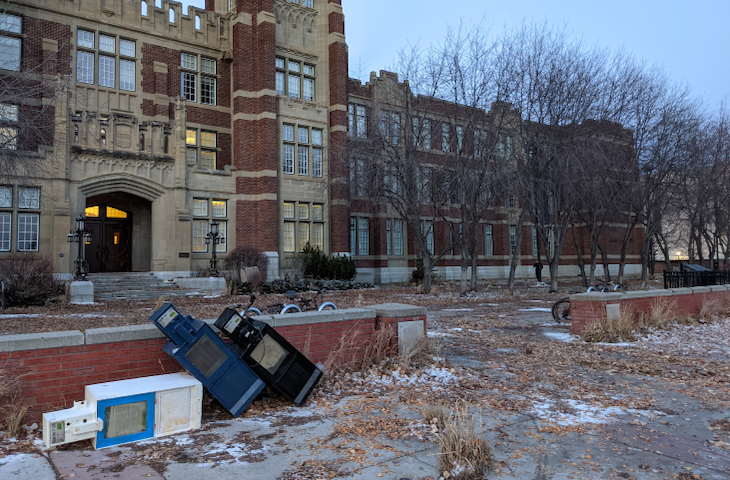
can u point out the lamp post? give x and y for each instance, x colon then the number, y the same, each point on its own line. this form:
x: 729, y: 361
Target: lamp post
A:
x: 214, y: 238
x: 80, y: 236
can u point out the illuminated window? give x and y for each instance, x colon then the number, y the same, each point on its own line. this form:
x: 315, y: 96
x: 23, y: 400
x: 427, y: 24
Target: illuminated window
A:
x: 92, y: 212
x: 288, y: 236
x: 218, y: 208
x: 112, y: 212
x: 204, y: 150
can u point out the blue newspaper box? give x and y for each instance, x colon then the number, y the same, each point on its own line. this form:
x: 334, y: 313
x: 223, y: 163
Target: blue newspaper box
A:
x: 196, y: 346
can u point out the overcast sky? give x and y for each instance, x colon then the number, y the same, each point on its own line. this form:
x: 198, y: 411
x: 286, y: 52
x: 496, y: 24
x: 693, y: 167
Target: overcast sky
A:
x: 691, y: 40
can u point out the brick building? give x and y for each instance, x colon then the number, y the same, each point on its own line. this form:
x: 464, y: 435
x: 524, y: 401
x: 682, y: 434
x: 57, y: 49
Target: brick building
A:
x: 170, y: 120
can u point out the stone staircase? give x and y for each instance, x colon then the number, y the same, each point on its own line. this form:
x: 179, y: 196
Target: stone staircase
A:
x: 131, y: 286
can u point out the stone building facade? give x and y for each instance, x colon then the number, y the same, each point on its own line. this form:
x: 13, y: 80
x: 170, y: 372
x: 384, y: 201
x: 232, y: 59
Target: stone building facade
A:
x: 170, y: 120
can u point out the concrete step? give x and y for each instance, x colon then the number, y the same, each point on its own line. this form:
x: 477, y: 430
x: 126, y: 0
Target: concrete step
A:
x: 131, y: 286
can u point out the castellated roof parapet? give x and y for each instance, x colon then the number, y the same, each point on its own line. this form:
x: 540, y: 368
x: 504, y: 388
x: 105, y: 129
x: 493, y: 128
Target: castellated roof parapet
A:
x: 197, y: 25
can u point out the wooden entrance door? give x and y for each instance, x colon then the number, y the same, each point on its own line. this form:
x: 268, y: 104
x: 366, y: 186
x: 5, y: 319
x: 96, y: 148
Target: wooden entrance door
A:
x: 110, y: 249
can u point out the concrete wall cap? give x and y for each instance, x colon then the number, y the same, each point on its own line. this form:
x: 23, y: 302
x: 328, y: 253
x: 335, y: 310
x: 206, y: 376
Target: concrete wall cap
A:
x: 95, y: 336
x: 597, y: 297
x: 681, y: 291
x: 718, y: 288
x: 398, y: 310
x: 701, y: 289
x: 305, y: 318
x: 40, y: 341
x: 358, y: 313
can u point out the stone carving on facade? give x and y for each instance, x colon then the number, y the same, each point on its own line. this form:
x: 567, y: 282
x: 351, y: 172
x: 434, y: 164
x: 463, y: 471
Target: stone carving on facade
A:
x: 295, y: 24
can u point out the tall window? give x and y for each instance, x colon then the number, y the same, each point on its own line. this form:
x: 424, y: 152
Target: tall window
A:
x: 8, y: 127
x: 427, y: 230
x: 357, y: 121
x: 29, y: 199
x: 359, y: 236
x: 302, y: 144
x: 295, y: 79
x: 206, y: 211
x: 445, y: 137
x: 114, y: 57
x: 11, y: 27
x: 488, y: 241
x: 422, y: 133
x: 143, y: 7
x: 303, y: 224
x: 535, y: 244
x: 206, y: 70
x: 513, y: 251
x: 394, y: 236
x: 6, y: 217
x: 390, y: 127
x: 201, y: 148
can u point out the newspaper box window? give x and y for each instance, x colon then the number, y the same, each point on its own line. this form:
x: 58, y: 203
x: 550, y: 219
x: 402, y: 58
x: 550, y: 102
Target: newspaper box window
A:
x: 197, y: 348
x: 271, y: 356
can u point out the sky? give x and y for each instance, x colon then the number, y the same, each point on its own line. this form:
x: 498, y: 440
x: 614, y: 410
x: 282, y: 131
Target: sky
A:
x: 690, y: 40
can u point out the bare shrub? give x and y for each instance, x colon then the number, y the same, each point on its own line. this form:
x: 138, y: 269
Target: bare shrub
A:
x: 715, y: 310
x: 379, y: 348
x: 241, y: 257
x: 661, y: 313
x: 307, y: 348
x: 28, y: 279
x: 343, y: 357
x: 463, y: 455
x: 13, y: 408
x: 420, y: 353
x: 611, y: 331
x: 434, y: 416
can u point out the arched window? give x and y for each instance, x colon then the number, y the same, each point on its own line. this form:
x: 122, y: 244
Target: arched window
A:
x: 144, y: 8
x: 103, y: 137
x: 158, y: 3
x: 197, y: 22
x: 172, y: 16
x: 76, y: 134
x: 230, y: 4
x: 141, y: 141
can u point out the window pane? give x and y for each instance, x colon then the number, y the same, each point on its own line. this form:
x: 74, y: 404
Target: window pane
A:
x: 200, y: 207
x: 316, y: 137
x: 207, y: 139
x: 280, y: 88
x: 294, y: 67
x: 207, y: 160
x: 92, y: 212
x: 388, y: 237
x: 361, y: 128
x: 5, y: 231
x: 106, y: 71
x: 288, y: 158
x: 107, y: 44
x: 307, y: 3
x: 288, y: 133
x: 126, y: 75
x: 208, y: 65
x: 85, y: 39
x: 363, y: 236
x: 317, y: 162
x: 288, y: 237
x: 191, y: 137
x: 353, y: 236
x: 317, y: 240
x: 303, y: 211
x: 488, y: 241
x: 309, y: 70
x: 29, y: 198
x: 188, y: 61
x: 303, y: 135
x: 6, y: 197
x: 288, y: 210
x: 187, y: 86
x: 309, y: 89
x: 191, y: 156
x: 207, y: 90
x: 84, y: 67
x: 128, y: 48
x: 28, y: 232
x: 303, y: 161
x: 303, y: 236
x: 222, y: 229
x: 11, y: 23
x: 200, y: 230
x: 9, y: 53
x: 8, y: 113
x: 112, y: 212
x: 317, y: 212
x: 219, y: 208
x: 294, y: 86
x: 8, y: 138
x: 279, y: 62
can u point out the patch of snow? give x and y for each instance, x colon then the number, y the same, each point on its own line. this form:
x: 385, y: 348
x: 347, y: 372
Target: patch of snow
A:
x: 439, y: 334
x: 536, y: 309
x: 458, y: 310
x: 457, y: 329
x: 560, y: 336
x: 577, y: 413
x: 19, y: 315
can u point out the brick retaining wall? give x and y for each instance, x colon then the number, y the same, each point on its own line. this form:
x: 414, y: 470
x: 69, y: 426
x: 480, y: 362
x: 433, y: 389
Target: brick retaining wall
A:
x: 57, y: 366
x: 589, y: 307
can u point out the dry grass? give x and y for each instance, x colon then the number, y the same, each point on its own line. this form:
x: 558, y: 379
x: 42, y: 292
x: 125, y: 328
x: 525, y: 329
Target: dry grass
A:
x: 420, y: 353
x: 434, y: 416
x: 464, y: 455
x: 380, y: 348
x: 343, y: 357
x: 13, y: 409
x: 662, y: 312
x: 307, y: 348
x: 715, y: 310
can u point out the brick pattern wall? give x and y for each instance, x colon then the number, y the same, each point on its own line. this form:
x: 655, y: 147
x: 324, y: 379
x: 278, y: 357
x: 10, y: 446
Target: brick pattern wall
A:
x: 34, y: 57
x: 56, y: 377
x: 591, y: 309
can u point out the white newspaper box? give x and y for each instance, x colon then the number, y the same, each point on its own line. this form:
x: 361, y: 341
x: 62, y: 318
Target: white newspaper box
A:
x: 128, y: 410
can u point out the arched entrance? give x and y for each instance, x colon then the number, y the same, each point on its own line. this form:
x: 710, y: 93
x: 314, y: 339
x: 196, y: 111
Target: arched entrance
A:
x: 110, y: 249
x: 121, y: 230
